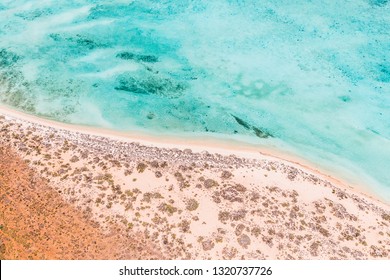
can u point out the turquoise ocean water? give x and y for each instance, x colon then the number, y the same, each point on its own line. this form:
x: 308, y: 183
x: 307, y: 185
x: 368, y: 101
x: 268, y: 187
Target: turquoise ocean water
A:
x: 314, y: 75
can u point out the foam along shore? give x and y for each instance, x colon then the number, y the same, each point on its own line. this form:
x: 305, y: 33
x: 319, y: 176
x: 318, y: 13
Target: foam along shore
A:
x: 200, y: 202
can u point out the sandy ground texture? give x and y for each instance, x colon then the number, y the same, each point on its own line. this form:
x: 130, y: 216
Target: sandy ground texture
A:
x: 184, y: 204
x: 37, y: 223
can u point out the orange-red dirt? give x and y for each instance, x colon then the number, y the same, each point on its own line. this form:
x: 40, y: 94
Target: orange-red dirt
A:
x: 36, y: 223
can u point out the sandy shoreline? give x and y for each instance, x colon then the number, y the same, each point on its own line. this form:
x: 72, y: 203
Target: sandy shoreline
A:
x: 201, y: 144
x: 223, y: 203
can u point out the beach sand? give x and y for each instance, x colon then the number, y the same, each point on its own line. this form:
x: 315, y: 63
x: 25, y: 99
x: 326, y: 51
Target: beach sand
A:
x: 172, y: 200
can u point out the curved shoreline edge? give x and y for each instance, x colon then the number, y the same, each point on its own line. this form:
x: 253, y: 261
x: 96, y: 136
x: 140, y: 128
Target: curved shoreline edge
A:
x: 209, y: 144
x: 199, y: 201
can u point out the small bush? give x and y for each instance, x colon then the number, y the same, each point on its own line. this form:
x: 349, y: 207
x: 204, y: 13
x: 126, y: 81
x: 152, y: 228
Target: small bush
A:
x: 141, y: 167
x: 192, y: 205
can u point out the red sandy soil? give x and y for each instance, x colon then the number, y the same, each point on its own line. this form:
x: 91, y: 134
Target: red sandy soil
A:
x: 36, y: 223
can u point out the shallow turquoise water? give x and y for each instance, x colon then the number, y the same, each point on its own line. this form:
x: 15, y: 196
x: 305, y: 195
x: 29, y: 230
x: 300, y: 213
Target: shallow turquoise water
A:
x: 314, y: 75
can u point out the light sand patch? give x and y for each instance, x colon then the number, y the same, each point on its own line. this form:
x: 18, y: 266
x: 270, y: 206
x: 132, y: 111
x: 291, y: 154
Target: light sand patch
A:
x: 203, y: 205
x: 36, y: 222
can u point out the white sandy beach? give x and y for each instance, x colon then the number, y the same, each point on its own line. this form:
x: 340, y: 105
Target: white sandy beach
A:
x: 202, y: 199
x: 201, y: 143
